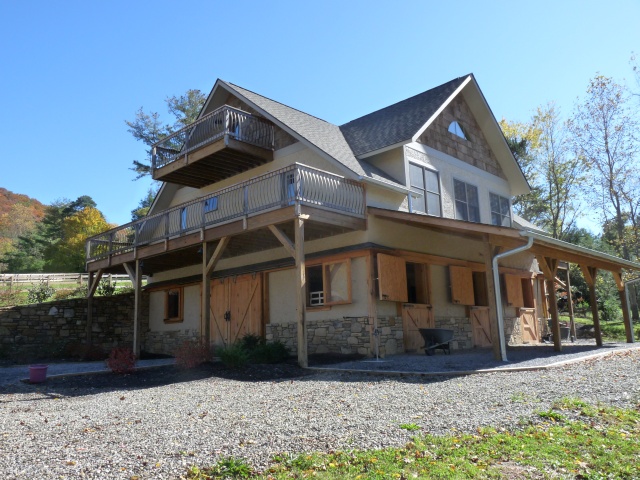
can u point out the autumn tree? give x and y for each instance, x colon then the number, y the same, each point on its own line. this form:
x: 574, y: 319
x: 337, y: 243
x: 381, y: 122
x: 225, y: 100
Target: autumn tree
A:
x: 149, y: 128
x: 605, y: 137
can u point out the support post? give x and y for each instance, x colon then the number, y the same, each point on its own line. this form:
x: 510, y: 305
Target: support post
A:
x: 624, y: 303
x: 209, y: 262
x: 301, y: 287
x: 92, y: 284
x: 572, y: 321
x: 372, y: 303
x: 589, y: 274
x: 491, y: 297
x: 549, y: 267
x: 136, y: 309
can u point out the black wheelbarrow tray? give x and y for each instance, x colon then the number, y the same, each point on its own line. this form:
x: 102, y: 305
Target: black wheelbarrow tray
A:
x: 436, y: 338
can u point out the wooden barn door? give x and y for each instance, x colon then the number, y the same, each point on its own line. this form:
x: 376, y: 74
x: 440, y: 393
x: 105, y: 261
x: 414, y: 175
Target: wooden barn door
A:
x: 529, y: 327
x: 415, y: 317
x: 236, y: 308
x: 481, y: 326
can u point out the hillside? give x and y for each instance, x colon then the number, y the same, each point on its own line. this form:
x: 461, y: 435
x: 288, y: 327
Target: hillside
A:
x: 18, y: 216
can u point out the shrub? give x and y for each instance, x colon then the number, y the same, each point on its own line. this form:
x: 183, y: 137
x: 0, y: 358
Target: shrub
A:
x: 106, y: 289
x: 274, y: 352
x: 251, y: 341
x: 192, y: 353
x: 121, y: 360
x: 40, y: 293
x: 233, y: 356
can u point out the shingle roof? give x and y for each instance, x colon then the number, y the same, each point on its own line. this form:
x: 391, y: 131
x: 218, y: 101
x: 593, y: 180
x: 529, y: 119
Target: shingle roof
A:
x: 324, y: 135
x: 398, y: 122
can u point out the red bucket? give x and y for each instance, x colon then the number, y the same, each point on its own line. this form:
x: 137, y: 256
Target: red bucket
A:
x: 37, y: 373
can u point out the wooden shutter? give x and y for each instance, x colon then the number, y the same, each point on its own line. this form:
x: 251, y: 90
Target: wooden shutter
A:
x: 392, y: 278
x: 461, y: 285
x: 513, y: 286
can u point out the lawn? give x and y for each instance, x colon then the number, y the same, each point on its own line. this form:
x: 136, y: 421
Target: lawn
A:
x: 572, y: 439
x: 611, y: 330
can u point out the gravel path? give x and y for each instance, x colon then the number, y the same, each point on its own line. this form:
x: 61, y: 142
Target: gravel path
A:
x: 157, y: 432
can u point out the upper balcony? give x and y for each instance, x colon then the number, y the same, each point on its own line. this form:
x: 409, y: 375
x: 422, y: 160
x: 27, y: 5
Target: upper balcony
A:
x: 219, y: 145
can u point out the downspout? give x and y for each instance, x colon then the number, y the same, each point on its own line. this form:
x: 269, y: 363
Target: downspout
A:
x: 496, y: 285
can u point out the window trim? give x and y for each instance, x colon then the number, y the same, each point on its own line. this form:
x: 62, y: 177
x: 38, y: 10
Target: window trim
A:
x: 510, y: 216
x: 325, y: 285
x: 425, y: 191
x: 180, y: 317
x: 466, y: 202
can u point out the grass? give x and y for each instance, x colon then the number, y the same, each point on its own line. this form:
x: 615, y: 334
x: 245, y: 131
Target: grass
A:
x: 572, y: 440
x: 611, y: 331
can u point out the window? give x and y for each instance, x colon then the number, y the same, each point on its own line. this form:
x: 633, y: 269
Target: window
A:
x: 183, y: 218
x: 467, y: 205
x: 211, y: 204
x: 329, y: 284
x: 500, y: 210
x: 456, y: 129
x: 173, y: 306
x: 425, y: 190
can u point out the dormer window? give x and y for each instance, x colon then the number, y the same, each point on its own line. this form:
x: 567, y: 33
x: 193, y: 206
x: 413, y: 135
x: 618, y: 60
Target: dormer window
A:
x: 456, y: 129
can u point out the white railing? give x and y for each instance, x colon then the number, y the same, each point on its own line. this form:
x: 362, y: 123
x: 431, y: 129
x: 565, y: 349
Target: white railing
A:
x: 79, y: 278
x: 224, y: 121
x: 293, y: 185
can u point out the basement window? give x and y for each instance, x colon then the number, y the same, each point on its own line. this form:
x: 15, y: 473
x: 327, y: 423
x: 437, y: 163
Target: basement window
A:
x: 456, y: 129
x: 329, y: 284
x: 173, y: 306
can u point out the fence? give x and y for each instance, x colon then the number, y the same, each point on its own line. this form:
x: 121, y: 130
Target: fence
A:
x: 79, y: 278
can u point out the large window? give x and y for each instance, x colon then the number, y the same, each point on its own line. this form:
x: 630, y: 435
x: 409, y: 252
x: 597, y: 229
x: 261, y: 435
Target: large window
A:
x: 329, y: 283
x: 467, y: 205
x: 425, y: 190
x: 500, y: 210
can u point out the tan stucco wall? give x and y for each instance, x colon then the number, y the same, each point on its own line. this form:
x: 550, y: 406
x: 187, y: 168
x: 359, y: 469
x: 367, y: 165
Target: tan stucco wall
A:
x: 191, y: 304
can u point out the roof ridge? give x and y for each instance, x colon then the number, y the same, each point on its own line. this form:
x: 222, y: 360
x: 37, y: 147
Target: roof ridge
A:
x: 405, y: 99
x: 279, y: 103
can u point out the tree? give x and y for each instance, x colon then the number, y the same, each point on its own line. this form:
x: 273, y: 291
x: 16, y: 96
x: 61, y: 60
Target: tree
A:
x: 69, y: 253
x: 149, y: 128
x: 143, y: 207
x: 604, y: 134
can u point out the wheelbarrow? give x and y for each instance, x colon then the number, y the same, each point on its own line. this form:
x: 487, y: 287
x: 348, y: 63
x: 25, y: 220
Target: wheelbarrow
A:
x: 436, y: 338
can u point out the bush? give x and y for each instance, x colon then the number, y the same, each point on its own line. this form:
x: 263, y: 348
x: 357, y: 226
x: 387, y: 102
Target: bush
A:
x: 192, y: 353
x: 233, y: 356
x: 40, y: 293
x: 122, y: 360
x: 106, y: 289
x: 251, y: 341
x: 274, y: 352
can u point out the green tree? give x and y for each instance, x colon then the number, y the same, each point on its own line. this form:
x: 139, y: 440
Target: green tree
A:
x: 143, y: 206
x: 605, y: 137
x: 149, y: 128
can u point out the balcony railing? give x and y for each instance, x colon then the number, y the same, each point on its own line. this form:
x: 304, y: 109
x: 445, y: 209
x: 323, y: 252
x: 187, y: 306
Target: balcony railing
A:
x: 293, y: 185
x: 224, y: 121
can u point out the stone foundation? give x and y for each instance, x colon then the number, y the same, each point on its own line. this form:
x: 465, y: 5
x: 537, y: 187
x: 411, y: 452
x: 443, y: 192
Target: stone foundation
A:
x: 166, y: 343
x: 345, y: 336
x: 30, y: 332
x: 462, y: 331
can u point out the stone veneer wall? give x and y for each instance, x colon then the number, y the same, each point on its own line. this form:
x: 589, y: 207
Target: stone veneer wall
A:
x: 167, y: 343
x: 462, y: 331
x: 31, y: 331
x: 350, y: 335
x: 513, y: 331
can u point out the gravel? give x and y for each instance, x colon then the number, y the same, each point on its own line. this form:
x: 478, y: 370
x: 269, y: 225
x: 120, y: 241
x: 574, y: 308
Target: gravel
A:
x: 71, y: 429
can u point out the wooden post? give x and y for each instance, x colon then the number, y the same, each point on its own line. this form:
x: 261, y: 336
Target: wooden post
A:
x: 572, y: 322
x: 491, y: 297
x: 301, y: 288
x: 628, y: 325
x: 372, y: 303
x: 589, y: 274
x: 549, y: 267
x: 136, y: 309
x: 208, y: 265
x: 93, y: 281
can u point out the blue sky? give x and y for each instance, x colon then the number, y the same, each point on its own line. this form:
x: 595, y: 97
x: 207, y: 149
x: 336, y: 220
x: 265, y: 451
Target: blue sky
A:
x: 71, y: 72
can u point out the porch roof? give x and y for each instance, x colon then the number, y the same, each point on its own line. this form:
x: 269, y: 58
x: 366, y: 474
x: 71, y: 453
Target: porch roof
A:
x: 543, y: 245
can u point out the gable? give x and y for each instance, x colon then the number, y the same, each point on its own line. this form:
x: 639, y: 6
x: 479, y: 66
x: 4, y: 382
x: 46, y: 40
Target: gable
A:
x: 474, y: 150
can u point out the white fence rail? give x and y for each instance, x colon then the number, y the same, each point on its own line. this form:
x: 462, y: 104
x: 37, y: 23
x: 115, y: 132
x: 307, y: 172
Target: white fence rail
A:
x: 79, y: 278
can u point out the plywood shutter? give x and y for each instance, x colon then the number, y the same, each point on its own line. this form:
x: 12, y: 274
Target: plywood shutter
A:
x: 461, y: 285
x: 392, y: 278
x: 513, y: 285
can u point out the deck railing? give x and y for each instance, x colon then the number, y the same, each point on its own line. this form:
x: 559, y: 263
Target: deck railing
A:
x: 293, y: 185
x: 223, y: 121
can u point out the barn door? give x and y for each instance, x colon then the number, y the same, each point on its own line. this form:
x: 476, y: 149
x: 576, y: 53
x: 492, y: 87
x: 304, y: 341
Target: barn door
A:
x: 529, y: 325
x: 415, y: 317
x: 481, y: 326
x: 236, y: 308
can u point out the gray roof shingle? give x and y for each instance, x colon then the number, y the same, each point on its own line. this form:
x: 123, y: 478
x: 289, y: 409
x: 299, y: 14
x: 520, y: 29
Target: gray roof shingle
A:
x: 398, y: 122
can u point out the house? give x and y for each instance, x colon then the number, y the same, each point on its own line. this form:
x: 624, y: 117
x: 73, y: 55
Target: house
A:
x: 343, y: 239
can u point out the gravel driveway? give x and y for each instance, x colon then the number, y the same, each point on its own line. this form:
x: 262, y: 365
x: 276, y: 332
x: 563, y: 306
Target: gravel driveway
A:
x: 157, y: 432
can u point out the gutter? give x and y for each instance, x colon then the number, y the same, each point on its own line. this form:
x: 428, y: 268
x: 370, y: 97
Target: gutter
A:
x: 496, y: 286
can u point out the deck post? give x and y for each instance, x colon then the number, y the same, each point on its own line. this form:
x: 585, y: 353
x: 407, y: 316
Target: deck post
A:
x: 372, y: 304
x: 572, y: 320
x: 136, y: 309
x: 624, y: 303
x: 589, y: 274
x: 549, y: 267
x: 301, y: 287
x: 209, y: 262
x: 92, y: 284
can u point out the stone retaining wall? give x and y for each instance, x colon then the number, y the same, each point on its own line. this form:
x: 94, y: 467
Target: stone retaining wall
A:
x: 43, y: 330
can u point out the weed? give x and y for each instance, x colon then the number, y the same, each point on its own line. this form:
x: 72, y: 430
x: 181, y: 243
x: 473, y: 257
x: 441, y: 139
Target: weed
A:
x: 228, y: 467
x: 551, y: 415
x: 106, y: 288
x: 411, y: 427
